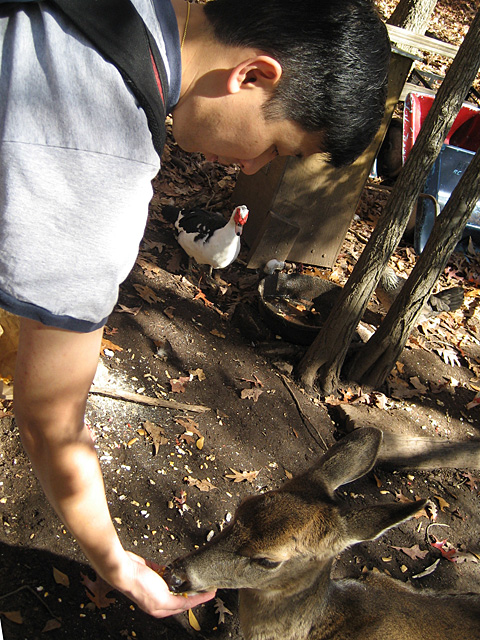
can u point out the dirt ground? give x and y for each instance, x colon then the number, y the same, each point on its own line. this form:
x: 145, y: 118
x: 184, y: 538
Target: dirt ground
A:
x: 167, y: 468
x: 168, y: 492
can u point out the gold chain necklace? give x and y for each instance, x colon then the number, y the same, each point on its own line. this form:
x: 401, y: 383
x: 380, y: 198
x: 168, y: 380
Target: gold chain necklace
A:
x: 186, y: 27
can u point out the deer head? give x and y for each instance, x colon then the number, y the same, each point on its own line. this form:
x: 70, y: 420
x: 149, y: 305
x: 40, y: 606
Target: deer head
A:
x: 285, y: 540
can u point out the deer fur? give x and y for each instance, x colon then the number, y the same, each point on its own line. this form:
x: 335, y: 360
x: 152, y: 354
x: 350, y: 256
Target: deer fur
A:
x: 279, y: 549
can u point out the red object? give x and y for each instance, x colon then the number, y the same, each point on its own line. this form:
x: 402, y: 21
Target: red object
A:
x: 465, y: 131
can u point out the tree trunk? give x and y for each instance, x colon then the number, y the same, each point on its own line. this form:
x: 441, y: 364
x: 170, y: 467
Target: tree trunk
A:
x: 412, y: 14
x: 327, y: 353
x: 375, y: 361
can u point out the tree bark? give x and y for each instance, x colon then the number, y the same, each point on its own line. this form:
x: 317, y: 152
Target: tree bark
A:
x: 326, y: 355
x: 379, y: 355
x: 412, y: 14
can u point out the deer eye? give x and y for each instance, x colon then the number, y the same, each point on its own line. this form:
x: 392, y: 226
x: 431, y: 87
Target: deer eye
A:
x: 266, y: 563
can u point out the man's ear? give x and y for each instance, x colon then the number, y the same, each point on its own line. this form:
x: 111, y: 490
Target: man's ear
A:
x: 262, y: 70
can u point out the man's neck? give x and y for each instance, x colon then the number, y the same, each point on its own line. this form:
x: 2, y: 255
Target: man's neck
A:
x: 196, y: 36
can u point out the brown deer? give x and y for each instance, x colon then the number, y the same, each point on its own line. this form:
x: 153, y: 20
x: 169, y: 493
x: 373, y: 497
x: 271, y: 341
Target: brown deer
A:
x: 279, y: 549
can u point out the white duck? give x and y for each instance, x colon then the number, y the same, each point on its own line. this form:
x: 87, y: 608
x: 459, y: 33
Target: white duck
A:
x: 208, y: 237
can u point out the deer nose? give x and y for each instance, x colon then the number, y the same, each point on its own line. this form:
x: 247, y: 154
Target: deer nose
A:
x: 176, y: 580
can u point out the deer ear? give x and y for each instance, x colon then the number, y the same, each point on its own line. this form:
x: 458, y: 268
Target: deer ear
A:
x: 371, y: 522
x: 350, y: 458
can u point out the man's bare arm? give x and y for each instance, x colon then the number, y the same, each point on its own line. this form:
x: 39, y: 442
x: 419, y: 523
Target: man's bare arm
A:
x: 54, y: 372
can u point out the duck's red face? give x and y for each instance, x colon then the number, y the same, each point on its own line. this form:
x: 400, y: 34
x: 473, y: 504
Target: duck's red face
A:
x: 240, y: 215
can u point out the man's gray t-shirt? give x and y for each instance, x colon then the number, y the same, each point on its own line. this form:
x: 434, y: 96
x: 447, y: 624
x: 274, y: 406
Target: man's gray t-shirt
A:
x: 76, y: 164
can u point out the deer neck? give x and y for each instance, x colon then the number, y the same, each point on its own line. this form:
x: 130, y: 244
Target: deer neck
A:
x: 287, y: 613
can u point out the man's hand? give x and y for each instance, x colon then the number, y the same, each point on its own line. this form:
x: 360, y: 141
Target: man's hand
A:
x: 146, y: 588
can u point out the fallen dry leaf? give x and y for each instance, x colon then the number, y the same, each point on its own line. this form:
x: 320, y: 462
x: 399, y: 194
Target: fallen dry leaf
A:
x: 146, y: 293
x: 415, y: 382
x: 203, y: 485
x: 251, y: 394
x: 97, y: 591
x: 400, y: 389
x: 465, y: 556
x: 189, y: 425
x: 193, y: 621
x: 471, y: 480
x: 108, y: 344
x: 121, y: 308
x: 221, y: 610
x: 198, y: 373
x: 157, y: 433
x: 332, y: 400
x: 61, y: 578
x: 169, y: 312
x: 241, y: 476
x: 51, y: 625
x: 9, y: 330
x: 177, y: 385
x: 447, y: 550
x: 401, y: 498
x: 412, y: 552
x: 150, y: 269
x: 13, y: 616
x: 347, y: 395
x: 442, y: 502
x: 449, y: 356
x: 201, y: 296
x: 151, y: 244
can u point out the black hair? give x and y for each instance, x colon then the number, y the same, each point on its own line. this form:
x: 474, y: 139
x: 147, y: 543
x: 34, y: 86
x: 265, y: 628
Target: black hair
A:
x: 334, y: 56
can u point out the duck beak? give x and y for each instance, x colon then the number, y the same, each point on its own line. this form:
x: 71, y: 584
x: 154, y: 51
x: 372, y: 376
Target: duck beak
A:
x: 238, y: 229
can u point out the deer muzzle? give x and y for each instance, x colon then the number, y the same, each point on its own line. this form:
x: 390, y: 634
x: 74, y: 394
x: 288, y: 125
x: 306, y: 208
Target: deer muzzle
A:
x: 176, y: 579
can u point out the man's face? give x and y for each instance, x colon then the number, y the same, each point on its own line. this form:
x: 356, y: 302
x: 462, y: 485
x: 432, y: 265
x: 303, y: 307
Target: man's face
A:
x: 231, y: 132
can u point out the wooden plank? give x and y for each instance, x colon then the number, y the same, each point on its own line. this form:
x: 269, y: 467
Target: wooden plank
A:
x: 258, y: 193
x: 410, y: 87
x: 274, y: 240
x: 422, y: 43
x: 323, y: 199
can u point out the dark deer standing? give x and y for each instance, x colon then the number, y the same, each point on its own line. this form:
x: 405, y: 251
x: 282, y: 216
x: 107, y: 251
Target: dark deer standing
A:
x: 279, y: 549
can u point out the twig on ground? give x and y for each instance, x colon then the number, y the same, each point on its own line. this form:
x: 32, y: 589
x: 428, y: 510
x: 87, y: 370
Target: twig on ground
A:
x: 154, y: 402
x: 27, y: 587
x: 310, y: 427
